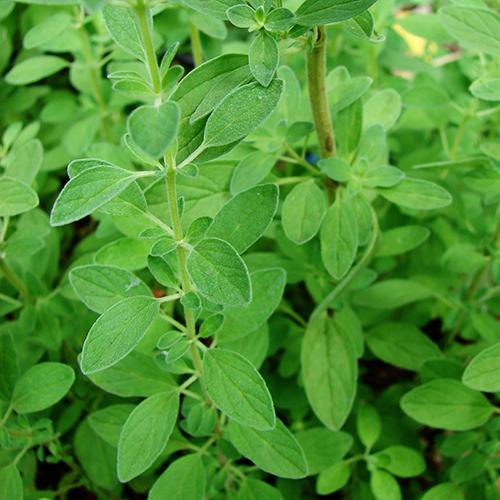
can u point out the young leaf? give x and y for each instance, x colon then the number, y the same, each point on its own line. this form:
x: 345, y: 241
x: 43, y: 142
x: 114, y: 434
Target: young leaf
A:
x: 42, y: 386
x: 88, y: 191
x: 402, y: 345
x: 384, y: 486
x: 241, y: 112
x: 219, y: 273
x: 153, y: 128
x: 385, y: 176
x: 161, y: 271
x: 244, y: 218
x: 363, y: 26
x: 145, y: 434
x: 329, y: 371
x: 238, y: 389
x: 339, y: 238
x: 35, y: 68
x: 483, y: 372
x: 100, y: 287
x: 336, y: 169
x: 123, y: 28
x: 368, y: 424
x: 264, y: 58
x: 117, y: 332
x: 268, y: 286
x: 15, y: 197
x: 447, y: 404
x: 403, y: 461
x: 279, y: 19
x: 276, y: 451
x: 303, y: 212
x: 317, y: 12
x: 334, y: 478
x: 241, y: 16
x: 384, y: 107
x: 183, y: 480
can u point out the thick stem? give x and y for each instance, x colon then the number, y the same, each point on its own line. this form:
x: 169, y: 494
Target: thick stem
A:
x: 316, y: 79
x: 196, y: 44
x: 142, y: 12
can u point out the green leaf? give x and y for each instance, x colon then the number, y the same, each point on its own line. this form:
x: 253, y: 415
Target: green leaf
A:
x: 264, y: 58
x: 41, y: 387
x: 117, y: 332
x: 183, y: 480
x: 161, y: 271
x: 9, y: 366
x: 339, y: 238
x: 329, y: 371
x: 26, y: 162
x: 88, y: 191
x: 344, y: 93
x: 303, y: 212
x: 279, y: 19
x: 391, y: 294
x: 238, y: 389
x: 251, y: 170
x: 373, y: 143
x: 108, y: 422
x: 334, y: 478
x: 219, y: 273
x: 125, y: 253
x: 15, y: 197
x: 401, y: 240
x: 268, y: 286
x: 153, y: 128
x: 336, y: 169
x: 363, y: 26
x: 384, y: 486
x: 122, y: 26
x: 384, y: 107
x: 34, y: 69
x: 417, y: 194
x: 402, y: 461
x: 474, y: 29
x: 425, y: 97
x: 317, y: 12
x: 385, y: 176
x: 145, y: 434
x: 323, y: 448
x: 368, y: 424
x: 447, y: 404
x: 241, y: 112
x: 488, y: 90
x: 135, y: 376
x: 11, y: 483
x: 241, y: 16
x: 214, y: 8
x: 100, y: 287
x: 258, y: 490
x: 402, y: 345
x: 483, y: 372
x: 245, y: 218
x: 276, y: 451
x: 443, y: 491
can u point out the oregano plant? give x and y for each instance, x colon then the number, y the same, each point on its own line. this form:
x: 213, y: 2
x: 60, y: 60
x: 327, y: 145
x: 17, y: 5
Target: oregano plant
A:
x: 249, y: 249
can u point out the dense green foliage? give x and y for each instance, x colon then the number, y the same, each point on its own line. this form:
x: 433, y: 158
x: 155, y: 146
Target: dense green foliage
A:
x: 249, y: 250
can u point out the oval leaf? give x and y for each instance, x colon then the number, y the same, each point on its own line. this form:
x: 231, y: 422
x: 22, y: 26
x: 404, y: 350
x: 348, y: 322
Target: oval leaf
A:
x: 238, y: 389
x: 15, y: 197
x: 483, y: 372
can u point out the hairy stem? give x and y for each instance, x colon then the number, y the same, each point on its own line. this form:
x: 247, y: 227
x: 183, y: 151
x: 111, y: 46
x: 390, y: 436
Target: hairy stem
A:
x: 143, y: 13
x: 316, y: 79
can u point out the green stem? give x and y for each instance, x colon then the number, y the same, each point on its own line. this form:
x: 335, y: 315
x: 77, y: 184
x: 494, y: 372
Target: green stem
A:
x: 181, y: 255
x: 291, y: 180
x: 363, y: 261
x: 300, y: 161
x: 98, y: 95
x: 15, y: 281
x: 6, y: 416
x: 143, y: 12
x: 316, y: 79
x: 196, y: 44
